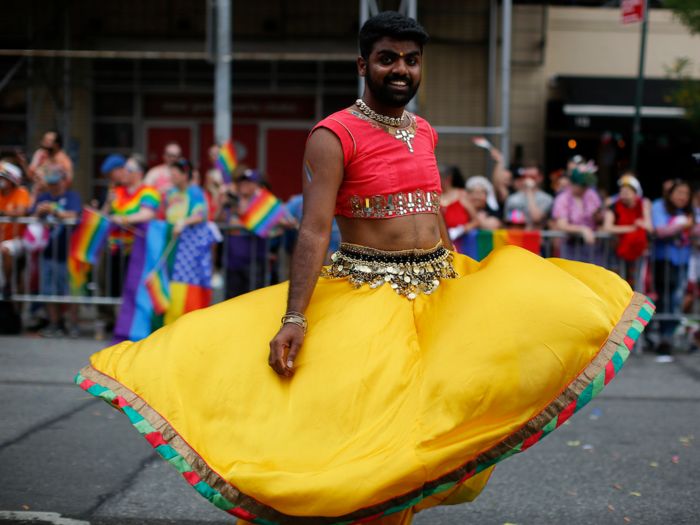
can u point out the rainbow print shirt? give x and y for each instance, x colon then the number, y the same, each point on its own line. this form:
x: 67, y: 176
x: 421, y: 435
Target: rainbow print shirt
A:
x: 183, y: 204
x: 126, y: 203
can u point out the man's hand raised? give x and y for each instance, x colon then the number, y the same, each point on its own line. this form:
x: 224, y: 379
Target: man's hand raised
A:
x: 284, y: 348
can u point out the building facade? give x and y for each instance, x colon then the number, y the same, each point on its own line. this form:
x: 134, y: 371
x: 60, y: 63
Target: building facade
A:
x: 295, y: 62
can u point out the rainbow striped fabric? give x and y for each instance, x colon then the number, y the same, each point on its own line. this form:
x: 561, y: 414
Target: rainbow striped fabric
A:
x: 77, y: 275
x: 477, y: 244
x: 158, y: 285
x: 89, y: 237
x: 125, y: 204
x: 263, y: 213
x: 85, y: 246
x: 227, y: 161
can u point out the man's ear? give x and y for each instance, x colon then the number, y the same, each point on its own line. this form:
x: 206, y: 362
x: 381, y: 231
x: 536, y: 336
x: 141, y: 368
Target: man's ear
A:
x: 361, y: 66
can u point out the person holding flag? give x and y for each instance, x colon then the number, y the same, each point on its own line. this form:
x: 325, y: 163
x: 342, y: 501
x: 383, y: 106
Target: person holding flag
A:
x: 130, y: 203
x: 54, y: 205
x: 245, y: 250
x: 184, y: 204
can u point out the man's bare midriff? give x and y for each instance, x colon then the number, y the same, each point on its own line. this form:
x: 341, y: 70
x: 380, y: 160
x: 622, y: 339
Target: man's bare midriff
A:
x: 420, y: 231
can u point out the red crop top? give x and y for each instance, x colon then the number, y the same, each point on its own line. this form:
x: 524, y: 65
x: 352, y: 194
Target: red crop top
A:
x: 389, y: 172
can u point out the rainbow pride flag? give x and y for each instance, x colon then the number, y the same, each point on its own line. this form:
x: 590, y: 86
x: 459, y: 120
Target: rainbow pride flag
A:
x: 77, y: 275
x: 158, y: 286
x: 89, y: 237
x: 263, y: 213
x: 165, y: 279
x: 478, y: 244
x: 227, y: 160
x: 85, y: 245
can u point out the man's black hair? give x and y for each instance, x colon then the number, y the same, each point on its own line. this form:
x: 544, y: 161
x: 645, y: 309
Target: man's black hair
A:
x: 393, y: 25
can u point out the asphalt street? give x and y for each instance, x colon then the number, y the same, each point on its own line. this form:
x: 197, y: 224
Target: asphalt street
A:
x: 631, y: 456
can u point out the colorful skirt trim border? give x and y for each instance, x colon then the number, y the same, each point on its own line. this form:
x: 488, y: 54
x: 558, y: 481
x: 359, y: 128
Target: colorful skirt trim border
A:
x: 174, y: 449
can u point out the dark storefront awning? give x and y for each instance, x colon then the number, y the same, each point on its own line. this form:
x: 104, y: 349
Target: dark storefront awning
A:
x: 615, y: 97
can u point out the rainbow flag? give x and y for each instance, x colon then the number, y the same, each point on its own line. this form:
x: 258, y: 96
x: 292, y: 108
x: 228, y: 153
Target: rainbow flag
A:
x: 478, y: 244
x: 86, y: 242
x: 77, y: 275
x: 227, y: 160
x: 163, y: 284
x: 264, y: 211
x: 89, y: 237
x: 158, y: 286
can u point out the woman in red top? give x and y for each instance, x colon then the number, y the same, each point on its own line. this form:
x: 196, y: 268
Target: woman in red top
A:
x: 630, y: 218
x: 458, y: 211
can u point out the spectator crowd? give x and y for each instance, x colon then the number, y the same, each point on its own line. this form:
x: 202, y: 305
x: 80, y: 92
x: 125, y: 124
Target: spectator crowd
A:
x: 177, y: 192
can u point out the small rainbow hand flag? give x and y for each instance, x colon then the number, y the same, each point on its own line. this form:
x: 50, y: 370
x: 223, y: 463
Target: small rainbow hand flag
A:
x: 89, y: 237
x: 158, y: 287
x: 227, y: 161
x: 264, y: 211
x: 85, y: 246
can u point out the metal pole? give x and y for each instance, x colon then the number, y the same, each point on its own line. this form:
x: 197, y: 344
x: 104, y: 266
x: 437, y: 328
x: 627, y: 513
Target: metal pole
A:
x: 412, y: 12
x: 637, y: 127
x: 506, y: 27
x: 222, y: 74
x: 30, y: 82
x: 67, y: 109
x: 210, y: 32
x: 364, y: 16
x: 492, y: 76
x: 413, y: 9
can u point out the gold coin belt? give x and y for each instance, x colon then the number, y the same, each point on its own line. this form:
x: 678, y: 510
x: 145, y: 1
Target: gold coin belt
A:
x: 408, y: 273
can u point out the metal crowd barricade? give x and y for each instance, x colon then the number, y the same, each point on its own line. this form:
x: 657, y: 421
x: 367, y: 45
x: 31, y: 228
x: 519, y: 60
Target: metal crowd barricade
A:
x: 104, y: 287
x: 662, y: 272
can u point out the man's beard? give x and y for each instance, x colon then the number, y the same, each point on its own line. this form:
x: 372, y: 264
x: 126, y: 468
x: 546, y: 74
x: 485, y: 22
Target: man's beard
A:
x: 383, y: 92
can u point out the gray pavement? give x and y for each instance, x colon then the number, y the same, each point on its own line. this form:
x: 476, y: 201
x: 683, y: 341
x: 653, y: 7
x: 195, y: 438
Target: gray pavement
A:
x: 62, y: 451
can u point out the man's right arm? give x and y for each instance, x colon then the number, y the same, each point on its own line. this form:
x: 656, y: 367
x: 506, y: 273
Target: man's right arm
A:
x: 322, y: 176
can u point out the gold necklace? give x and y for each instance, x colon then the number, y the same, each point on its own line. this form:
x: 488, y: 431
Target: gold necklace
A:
x: 390, y: 121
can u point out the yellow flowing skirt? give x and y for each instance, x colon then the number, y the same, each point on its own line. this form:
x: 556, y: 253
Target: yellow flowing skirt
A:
x: 395, y: 405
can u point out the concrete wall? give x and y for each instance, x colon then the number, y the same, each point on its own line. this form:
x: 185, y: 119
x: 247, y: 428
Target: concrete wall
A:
x: 591, y: 42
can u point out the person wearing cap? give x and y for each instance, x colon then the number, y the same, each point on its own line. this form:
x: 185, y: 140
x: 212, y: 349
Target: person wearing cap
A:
x: 112, y: 170
x: 14, y: 202
x: 575, y: 211
x: 184, y: 204
x: 529, y: 206
x: 244, y: 250
x: 55, y: 205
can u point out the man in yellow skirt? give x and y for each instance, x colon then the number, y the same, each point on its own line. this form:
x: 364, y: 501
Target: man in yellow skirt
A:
x: 403, y: 372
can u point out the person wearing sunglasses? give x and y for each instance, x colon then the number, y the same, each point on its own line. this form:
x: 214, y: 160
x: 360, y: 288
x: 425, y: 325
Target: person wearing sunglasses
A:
x: 159, y: 176
x: 185, y: 204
